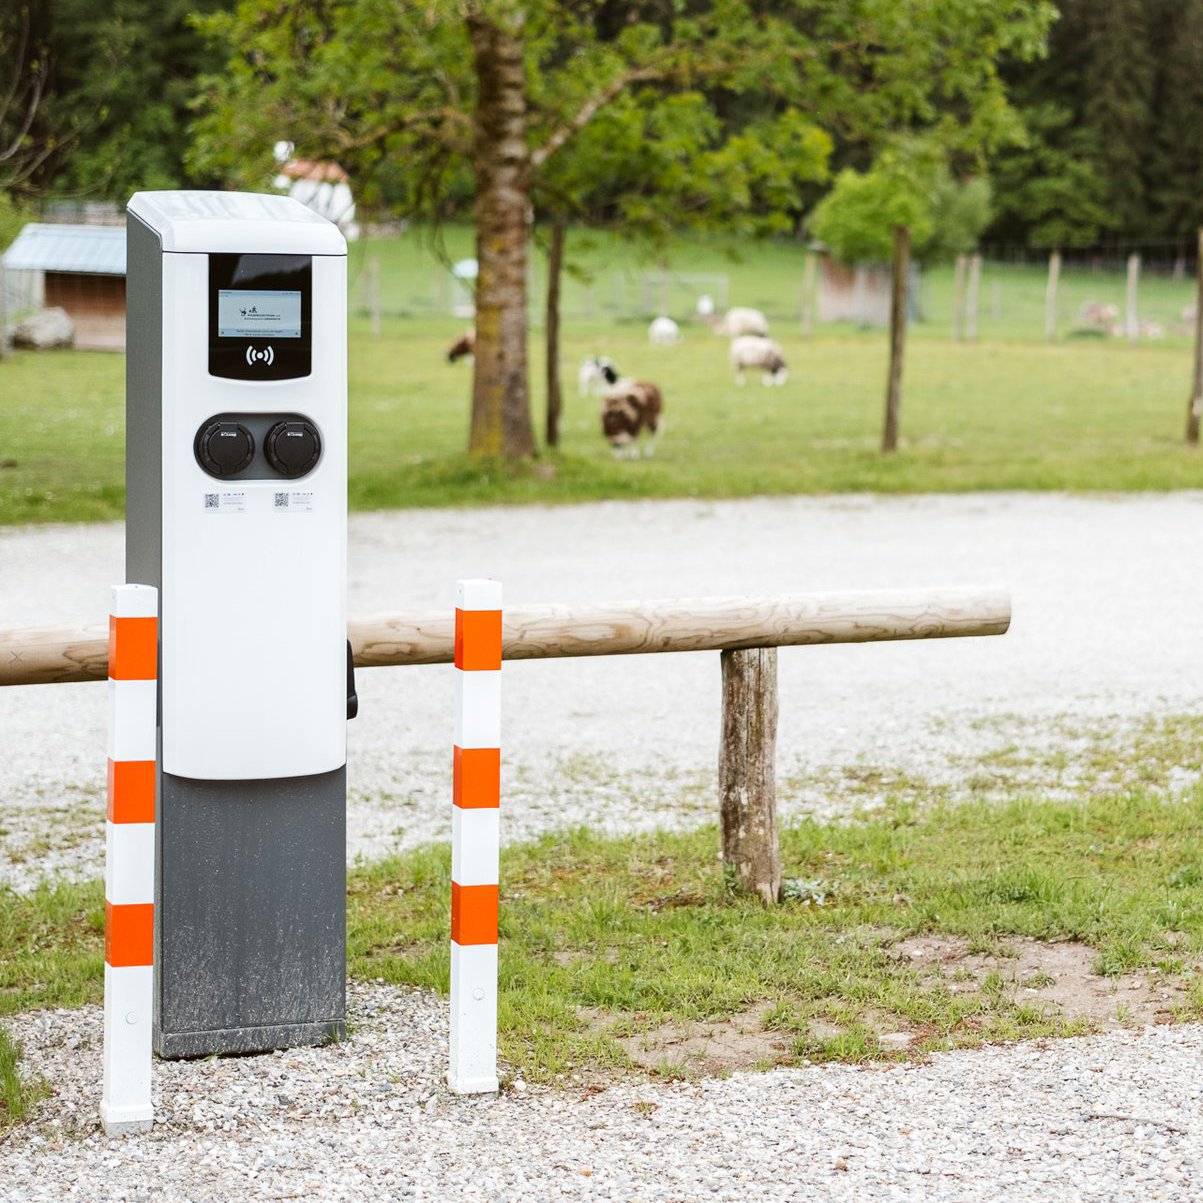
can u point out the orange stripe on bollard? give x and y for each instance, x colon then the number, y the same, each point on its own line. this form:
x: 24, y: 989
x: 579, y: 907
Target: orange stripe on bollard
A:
x: 129, y: 934
x: 473, y: 914
x: 478, y: 640
x: 131, y: 796
x: 476, y: 778
x: 133, y: 649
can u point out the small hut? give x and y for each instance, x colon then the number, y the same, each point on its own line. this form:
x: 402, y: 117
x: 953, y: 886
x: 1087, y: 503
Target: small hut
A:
x: 79, y: 268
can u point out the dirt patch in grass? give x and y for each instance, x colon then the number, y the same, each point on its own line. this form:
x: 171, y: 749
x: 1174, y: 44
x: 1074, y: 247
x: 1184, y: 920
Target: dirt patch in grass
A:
x: 1057, y: 979
x: 715, y: 1046
x: 1059, y: 976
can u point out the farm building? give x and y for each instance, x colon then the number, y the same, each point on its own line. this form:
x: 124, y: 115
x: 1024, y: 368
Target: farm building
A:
x: 860, y: 293
x: 77, y: 268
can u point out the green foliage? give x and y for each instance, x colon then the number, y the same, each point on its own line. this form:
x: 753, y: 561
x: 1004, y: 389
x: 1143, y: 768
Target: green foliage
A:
x: 857, y: 218
x: 119, y: 76
x: 910, y: 185
x: 14, y: 215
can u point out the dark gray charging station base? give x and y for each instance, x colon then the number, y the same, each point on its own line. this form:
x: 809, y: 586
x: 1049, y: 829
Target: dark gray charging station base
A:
x: 250, y: 925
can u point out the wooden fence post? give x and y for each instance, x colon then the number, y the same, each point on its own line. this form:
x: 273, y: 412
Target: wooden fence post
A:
x: 1050, y: 297
x: 808, y: 294
x: 975, y: 284
x: 1132, y: 318
x: 898, y: 309
x: 374, y: 294
x: 958, y: 300
x: 1194, y: 410
x: 746, y: 778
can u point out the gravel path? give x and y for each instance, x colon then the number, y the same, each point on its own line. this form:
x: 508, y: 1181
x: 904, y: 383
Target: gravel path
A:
x: 1106, y: 1119
x: 1108, y: 629
x: 1107, y: 632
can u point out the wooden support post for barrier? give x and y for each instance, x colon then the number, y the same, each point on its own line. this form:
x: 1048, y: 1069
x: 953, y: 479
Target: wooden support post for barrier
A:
x: 475, y: 837
x: 129, y: 862
x: 746, y: 774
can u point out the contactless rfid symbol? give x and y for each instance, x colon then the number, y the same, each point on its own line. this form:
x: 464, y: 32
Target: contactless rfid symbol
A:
x: 254, y: 356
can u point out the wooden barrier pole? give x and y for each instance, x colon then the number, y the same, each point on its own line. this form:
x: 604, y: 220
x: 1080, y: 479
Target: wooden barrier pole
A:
x: 58, y: 655
x: 746, y: 774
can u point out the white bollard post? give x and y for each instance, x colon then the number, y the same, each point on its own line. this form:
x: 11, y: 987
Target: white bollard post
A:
x: 129, y: 863
x: 475, y: 836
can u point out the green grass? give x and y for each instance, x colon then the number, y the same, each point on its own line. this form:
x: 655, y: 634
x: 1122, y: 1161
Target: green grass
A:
x: 1002, y: 414
x: 604, y: 939
x: 1079, y: 416
x: 17, y: 1094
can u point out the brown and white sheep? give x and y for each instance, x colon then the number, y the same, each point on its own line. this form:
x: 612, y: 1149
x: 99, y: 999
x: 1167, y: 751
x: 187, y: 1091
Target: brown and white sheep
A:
x: 752, y: 352
x: 629, y: 408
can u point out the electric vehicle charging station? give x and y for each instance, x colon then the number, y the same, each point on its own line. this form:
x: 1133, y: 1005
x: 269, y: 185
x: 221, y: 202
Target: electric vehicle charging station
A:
x: 236, y: 486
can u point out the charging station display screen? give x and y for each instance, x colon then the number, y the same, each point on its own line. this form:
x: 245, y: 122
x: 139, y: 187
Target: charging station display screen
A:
x: 242, y: 313
x: 260, y: 316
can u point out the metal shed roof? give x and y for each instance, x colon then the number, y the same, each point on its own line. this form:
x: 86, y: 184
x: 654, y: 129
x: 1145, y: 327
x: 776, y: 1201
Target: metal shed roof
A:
x: 96, y: 250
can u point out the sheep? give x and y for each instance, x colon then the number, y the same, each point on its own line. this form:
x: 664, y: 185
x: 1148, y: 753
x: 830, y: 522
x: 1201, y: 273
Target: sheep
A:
x: 463, y: 346
x: 591, y: 378
x: 629, y: 408
x: 664, y: 332
x: 751, y: 351
x: 738, y: 321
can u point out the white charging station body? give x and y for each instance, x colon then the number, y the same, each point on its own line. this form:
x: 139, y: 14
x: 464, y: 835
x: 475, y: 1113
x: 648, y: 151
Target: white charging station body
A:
x: 236, y: 511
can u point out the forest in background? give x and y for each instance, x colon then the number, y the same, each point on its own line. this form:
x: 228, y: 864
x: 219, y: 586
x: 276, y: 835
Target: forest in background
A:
x: 1111, y: 150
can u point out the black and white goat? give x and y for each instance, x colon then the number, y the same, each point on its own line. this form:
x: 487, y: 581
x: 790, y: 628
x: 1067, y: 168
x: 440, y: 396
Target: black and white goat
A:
x: 591, y: 378
x: 753, y: 352
x: 629, y: 408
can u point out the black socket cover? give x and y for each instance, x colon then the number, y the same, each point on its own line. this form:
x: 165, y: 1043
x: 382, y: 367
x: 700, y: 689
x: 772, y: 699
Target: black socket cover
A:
x: 224, y: 448
x: 292, y: 448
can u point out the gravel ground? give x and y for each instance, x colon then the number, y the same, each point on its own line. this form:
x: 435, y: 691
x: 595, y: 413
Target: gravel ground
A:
x: 1108, y: 1119
x: 1107, y: 631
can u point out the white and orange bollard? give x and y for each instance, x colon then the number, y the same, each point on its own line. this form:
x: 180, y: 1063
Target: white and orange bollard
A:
x: 129, y: 864
x: 475, y: 837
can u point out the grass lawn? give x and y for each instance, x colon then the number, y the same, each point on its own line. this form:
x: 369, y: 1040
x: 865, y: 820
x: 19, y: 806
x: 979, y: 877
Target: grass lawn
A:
x: 606, y: 941
x: 1079, y: 415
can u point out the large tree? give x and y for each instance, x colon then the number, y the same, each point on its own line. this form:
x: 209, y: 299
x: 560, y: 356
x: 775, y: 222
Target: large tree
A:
x: 506, y: 86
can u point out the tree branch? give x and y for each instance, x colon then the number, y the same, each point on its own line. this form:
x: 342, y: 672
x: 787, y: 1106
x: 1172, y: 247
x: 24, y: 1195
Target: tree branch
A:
x: 590, y: 109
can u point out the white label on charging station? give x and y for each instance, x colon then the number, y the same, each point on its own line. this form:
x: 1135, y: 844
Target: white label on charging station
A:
x: 225, y: 503
x: 292, y: 503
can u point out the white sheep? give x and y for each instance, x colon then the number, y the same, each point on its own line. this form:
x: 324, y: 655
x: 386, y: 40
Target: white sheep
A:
x: 664, y: 332
x: 738, y: 321
x: 752, y: 351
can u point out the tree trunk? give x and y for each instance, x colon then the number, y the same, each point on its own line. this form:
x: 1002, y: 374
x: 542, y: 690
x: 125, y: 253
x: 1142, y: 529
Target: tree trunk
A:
x: 1194, y: 410
x: 902, y: 266
x: 555, y: 266
x: 746, y: 782
x: 501, y: 420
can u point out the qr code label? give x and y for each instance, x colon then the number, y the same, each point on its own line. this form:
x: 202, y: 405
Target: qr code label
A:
x: 281, y: 501
x: 211, y: 502
x: 225, y: 503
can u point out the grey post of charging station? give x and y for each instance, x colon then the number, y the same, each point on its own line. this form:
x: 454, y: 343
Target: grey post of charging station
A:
x: 236, y: 511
